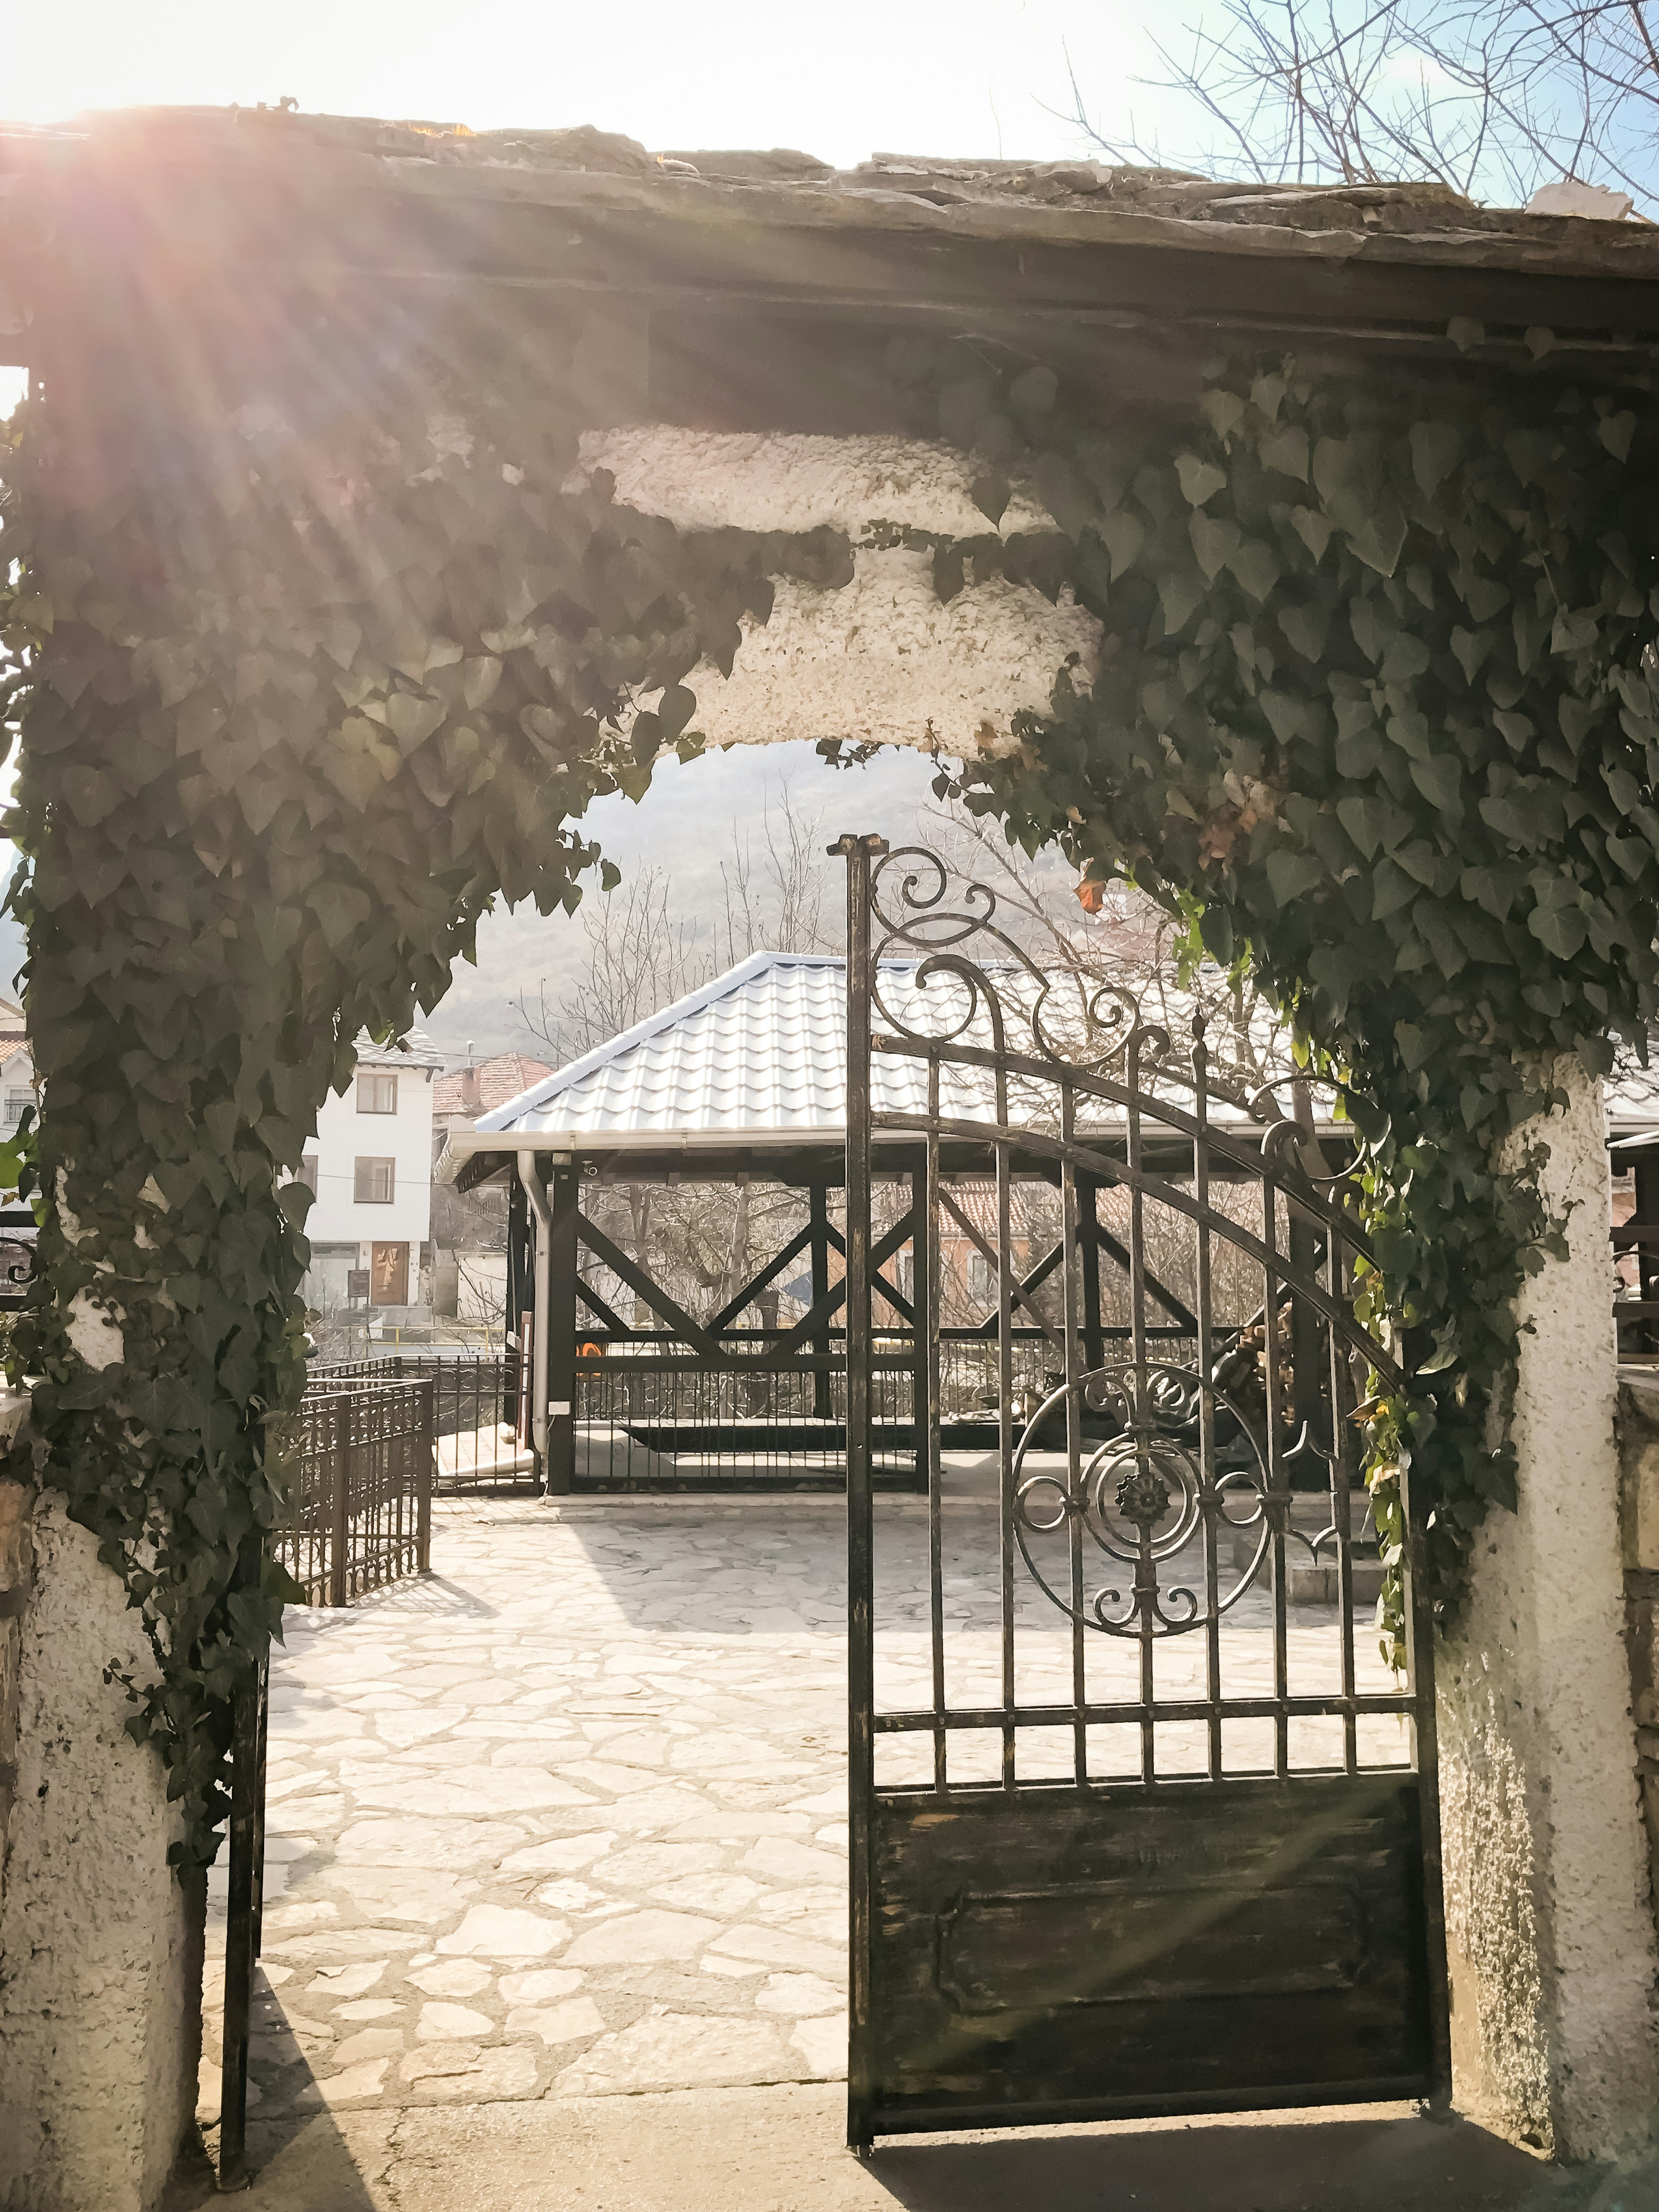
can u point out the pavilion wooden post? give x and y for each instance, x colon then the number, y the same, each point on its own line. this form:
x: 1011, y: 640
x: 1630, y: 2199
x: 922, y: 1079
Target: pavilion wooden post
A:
x: 822, y: 1395
x: 1088, y: 1199
x: 923, y: 1353
x: 563, y: 1194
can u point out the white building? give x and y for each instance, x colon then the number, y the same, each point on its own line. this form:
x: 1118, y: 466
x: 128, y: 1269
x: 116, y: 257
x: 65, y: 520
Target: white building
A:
x: 16, y: 1068
x: 369, y: 1166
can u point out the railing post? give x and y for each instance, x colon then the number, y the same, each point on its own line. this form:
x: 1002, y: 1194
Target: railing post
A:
x: 428, y: 1477
x: 340, y: 1543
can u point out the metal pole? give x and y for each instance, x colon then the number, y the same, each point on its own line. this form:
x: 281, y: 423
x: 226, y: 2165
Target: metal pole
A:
x: 557, y: 1338
x: 1425, y: 1753
x: 428, y: 1477
x: 243, y: 1912
x: 535, y: 1193
x: 340, y: 1542
x: 860, y: 1533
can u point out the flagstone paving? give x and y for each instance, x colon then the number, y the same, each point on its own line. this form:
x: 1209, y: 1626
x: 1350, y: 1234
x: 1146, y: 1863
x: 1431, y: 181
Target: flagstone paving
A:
x: 566, y: 1818
x: 569, y: 1817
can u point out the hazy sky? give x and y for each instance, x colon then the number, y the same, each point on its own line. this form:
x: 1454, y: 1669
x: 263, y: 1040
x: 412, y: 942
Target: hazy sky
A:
x: 978, y: 77
x: 841, y: 82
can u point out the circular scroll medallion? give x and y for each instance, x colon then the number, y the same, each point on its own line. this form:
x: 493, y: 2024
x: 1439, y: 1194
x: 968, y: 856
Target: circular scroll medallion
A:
x: 1123, y: 1546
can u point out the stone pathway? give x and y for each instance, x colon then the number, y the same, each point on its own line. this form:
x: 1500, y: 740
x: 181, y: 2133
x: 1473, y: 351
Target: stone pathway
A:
x: 567, y: 1818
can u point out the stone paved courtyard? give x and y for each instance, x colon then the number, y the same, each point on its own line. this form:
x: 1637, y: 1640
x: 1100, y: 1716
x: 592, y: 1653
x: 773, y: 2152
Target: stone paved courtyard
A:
x: 567, y: 1818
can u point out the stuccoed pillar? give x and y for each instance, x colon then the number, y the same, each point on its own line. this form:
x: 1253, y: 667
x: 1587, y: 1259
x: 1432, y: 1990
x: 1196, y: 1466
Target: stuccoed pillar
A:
x: 1549, y: 1925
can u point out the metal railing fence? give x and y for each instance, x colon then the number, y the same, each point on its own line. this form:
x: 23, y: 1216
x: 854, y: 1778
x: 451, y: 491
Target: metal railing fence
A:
x: 359, y: 1463
x: 652, y: 1412
x: 474, y: 1408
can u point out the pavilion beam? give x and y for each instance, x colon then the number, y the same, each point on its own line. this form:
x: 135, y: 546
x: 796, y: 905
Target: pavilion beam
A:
x: 1177, y: 1308
x: 1021, y: 1290
x: 894, y: 1297
x: 811, y: 1324
x: 595, y: 1304
x: 653, y: 1293
x: 1094, y: 1347
x: 747, y: 1295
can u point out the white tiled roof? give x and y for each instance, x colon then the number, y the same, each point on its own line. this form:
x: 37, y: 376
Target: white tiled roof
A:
x: 759, y: 1056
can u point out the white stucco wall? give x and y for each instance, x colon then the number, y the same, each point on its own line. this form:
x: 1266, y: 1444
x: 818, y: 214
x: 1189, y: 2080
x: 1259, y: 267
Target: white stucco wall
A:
x: 882, y: 659
x: 1550, y: 1928
x: 100, y: 1947
x: 343, y: 1134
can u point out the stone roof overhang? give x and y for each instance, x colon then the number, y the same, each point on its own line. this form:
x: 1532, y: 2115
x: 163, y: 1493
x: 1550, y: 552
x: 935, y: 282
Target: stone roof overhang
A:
x: 336, y: 207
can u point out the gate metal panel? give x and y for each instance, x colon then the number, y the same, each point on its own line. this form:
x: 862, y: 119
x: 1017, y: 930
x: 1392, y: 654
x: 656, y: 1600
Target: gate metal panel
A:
x: 1141, y: 1860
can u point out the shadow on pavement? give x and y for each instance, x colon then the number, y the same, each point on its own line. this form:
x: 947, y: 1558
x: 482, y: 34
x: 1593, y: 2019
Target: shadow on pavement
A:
x: 302, y: 2158
x: 1324, y: 2166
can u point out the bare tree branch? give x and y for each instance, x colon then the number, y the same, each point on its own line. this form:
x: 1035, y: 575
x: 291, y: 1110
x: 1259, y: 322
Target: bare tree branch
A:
x: 1491, y: 98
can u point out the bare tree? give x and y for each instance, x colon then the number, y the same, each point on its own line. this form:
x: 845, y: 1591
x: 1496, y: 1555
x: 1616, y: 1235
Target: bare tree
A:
x: 1491, y: 98
x: 641, y: 951
x: 1124, y: 942
x: 774, y: 901
x: 638, y: 955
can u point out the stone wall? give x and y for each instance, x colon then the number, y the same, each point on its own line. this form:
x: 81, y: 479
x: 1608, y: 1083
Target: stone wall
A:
x: 1638, y: 1529
x: 1551, y: 1945
x: 100, y: 1947
x: 880, y: 660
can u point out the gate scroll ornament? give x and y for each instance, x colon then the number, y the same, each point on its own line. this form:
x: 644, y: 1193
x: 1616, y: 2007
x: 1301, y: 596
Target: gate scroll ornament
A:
x: 1141, y: 1496
x: 1120, y: 1889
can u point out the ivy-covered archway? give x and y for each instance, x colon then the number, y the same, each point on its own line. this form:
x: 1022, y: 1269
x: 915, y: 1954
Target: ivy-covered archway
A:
x: 322, y: 646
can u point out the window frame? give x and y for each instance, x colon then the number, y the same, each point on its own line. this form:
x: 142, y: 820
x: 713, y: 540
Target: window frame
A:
x: 363, y: 1161
x: 376, y: 1076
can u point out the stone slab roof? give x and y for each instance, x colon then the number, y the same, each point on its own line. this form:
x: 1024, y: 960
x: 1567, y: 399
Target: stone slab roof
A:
x: 1076, y: 201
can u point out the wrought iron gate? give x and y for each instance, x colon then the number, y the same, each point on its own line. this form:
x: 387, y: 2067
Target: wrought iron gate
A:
x: 1126, y: 1838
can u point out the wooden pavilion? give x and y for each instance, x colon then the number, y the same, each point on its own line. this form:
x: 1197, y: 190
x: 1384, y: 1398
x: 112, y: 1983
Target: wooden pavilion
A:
x: 743, y: 1080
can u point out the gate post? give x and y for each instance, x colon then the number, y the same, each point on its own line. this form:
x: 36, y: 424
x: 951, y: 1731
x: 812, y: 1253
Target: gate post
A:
x: 1550, y: 1930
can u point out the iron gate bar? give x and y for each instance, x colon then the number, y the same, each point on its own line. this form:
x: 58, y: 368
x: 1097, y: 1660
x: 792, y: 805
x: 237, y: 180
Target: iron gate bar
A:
x: 1166, y: 1194
x: 861, y: 1526
x: 1317, y: 1862
x: 1311, y: 1706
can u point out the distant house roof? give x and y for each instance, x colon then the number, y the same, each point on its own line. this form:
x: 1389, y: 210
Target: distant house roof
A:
x: 481, y: 1087
x: 415, y: 1049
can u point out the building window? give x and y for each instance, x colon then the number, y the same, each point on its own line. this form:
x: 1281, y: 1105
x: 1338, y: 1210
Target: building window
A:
x: 376, y: 1094
x: 374, y: 1183
x: 16, y: 1102
x: 307, y: 1173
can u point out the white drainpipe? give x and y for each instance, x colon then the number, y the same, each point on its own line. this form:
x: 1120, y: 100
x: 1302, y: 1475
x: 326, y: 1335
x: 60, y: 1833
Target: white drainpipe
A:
x: 537, y: 1196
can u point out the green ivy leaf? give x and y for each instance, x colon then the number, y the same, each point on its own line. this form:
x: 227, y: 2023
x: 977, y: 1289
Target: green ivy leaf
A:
x: 1199, y: 480
x: 1290, y: 875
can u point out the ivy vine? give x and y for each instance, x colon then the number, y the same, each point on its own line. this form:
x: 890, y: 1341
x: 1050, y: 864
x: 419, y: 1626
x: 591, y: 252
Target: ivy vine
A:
x: 1378, y: 711
x: 289, y: 726
x: 1375, y: 710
